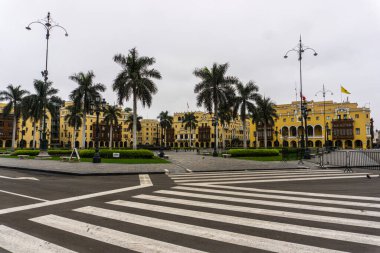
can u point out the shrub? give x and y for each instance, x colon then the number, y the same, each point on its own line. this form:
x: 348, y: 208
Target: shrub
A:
x: 26, y: 152
x: 107, y: 153
x: 253, y: 152
x: 59, y: 152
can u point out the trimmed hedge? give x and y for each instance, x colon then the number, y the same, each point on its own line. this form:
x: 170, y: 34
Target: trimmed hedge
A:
x: 106, y: 153
x: 26, y: 152
x: 59, y: 152
x: 253, y: 152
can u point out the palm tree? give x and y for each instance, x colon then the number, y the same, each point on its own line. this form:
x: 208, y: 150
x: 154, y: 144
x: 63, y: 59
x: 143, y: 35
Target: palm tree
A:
x: 135, y: 80
x: 267, y: 114
x: 82, y: 96
x: 128, y: 109
x: 29, y: 111
x: 225, y: 116
x: 45, y: 101
x: 213, y: 90
x: 190, y: 121
x: 74, y: 119
x: 130, y: 122
x: 254, y: 115
x: 111, y: 115
x: 244, y: 101
x: 166, y: 122
x: 14, y: 95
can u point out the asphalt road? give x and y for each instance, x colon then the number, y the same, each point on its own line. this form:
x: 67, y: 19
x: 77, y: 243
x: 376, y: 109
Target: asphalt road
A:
x: 261, y: 211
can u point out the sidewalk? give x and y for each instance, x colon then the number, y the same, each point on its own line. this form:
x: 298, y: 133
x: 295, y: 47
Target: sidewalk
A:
x: 182, y: 162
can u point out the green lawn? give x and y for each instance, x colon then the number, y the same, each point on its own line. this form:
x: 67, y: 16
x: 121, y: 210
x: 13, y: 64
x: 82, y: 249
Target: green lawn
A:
x: 105, y: 160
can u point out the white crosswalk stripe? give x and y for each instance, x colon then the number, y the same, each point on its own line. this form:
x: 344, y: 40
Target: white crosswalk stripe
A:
x: 114, y: 237
x: 18, y: 242
x: 204, y: 232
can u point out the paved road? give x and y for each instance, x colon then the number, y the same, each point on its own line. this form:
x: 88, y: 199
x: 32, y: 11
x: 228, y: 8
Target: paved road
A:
x: 241, y: 211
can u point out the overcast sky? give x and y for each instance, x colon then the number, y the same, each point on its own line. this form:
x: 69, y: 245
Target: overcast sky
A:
x: 252, y: 36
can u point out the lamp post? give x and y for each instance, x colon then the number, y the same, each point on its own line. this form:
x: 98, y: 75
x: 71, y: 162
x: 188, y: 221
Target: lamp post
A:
x: 48, y: 24
x: 98, y: 105
x: 327, y: 136
x: 324, y: 91
x: 300, y: 49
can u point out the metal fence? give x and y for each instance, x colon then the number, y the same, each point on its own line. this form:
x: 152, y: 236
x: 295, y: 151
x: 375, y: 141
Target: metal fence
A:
x: 348, y: 159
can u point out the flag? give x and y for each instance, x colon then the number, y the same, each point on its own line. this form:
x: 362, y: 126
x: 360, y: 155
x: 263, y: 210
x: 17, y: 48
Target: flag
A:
x: 343, y: 90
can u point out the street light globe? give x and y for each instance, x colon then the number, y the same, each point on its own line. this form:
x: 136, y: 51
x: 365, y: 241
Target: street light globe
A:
x: 28, y: 28
x: 315, y: 54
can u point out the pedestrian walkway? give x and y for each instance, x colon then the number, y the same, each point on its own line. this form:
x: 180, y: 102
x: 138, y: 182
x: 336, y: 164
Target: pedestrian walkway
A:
x: 216, y: 212
x: 180, y: 163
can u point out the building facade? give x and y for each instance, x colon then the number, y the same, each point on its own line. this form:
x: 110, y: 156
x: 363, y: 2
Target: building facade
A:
x: 344, y: 125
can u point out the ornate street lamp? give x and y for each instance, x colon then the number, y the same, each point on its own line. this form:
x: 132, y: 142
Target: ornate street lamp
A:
x: 48, y: 24
x: 97, y: 106
x: 324, y: 91
x: 300, y: 49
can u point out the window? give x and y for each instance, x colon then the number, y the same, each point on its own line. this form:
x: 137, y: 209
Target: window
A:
x: 356, y: 116
x: 338, y: 116
x: 317, y: 118
x: 328, y: 118
x: 284, y: 120
x: 366, y: 116
x: 357, y: 131
x: 292, y: 119
x: 345, y: 116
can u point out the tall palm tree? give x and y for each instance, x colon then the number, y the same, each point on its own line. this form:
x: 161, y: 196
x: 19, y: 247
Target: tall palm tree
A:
x: 130, y: 123
x: 29, y: 111
x: 112, y: 113
x: 225, y: 116
x: 14, y: 95
x: 74, y: 119
x: 166, y: 122
x: 135, y: 80
x: 190, y: 121
x: 267, y: 114
x: 254, y: 115
x: 244, y: 101
x: 212, y: 90
x: 45, y: 101
x: 82, y: 96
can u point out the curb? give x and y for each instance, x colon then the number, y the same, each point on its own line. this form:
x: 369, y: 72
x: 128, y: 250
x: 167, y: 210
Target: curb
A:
x: 81, y: 174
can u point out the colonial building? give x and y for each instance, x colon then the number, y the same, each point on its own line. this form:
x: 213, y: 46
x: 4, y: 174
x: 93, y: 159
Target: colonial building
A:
x: 343, y: 125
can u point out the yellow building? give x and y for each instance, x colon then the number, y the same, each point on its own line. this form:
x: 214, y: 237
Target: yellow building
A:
x: 203, y: 135
x: 348, y: 126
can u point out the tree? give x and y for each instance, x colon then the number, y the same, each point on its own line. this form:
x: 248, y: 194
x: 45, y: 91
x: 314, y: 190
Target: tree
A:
x: 213, y: 90
x: 74, y: 119
x: 28, y: 111
x: 111, y: 115
x: 14, y: 95
x: 254, y: 115
x: 245, y: 101
x: 266, y: 113
x: 166, y: 122
x: 130, y: 122
x: 226, y: 116
x: 190, y: 121
x: 82, y: 96
x: 135, y: 80
x: 45, y: 100
x: 128, y: 109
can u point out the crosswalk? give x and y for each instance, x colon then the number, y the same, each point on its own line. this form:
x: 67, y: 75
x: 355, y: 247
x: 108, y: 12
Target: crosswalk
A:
x: 211, y: 212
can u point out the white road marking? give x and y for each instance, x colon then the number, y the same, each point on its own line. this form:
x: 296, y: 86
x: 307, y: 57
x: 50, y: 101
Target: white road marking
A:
x: 111, y: 236
x: 313, y: 194
x: 18, y: 242
x: 145, y: 180
x: 262, y: 224
x: 274, y: 203
x: 286, y: 180
x: 66, y: 200
x: 20, y: 178
x: 215, y: 174
x: 260, y: 177
x: 21, y: 195
x: 268, y: 212
x: 281, y: 197
x: 204, y: 232
x: 248, y: 173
